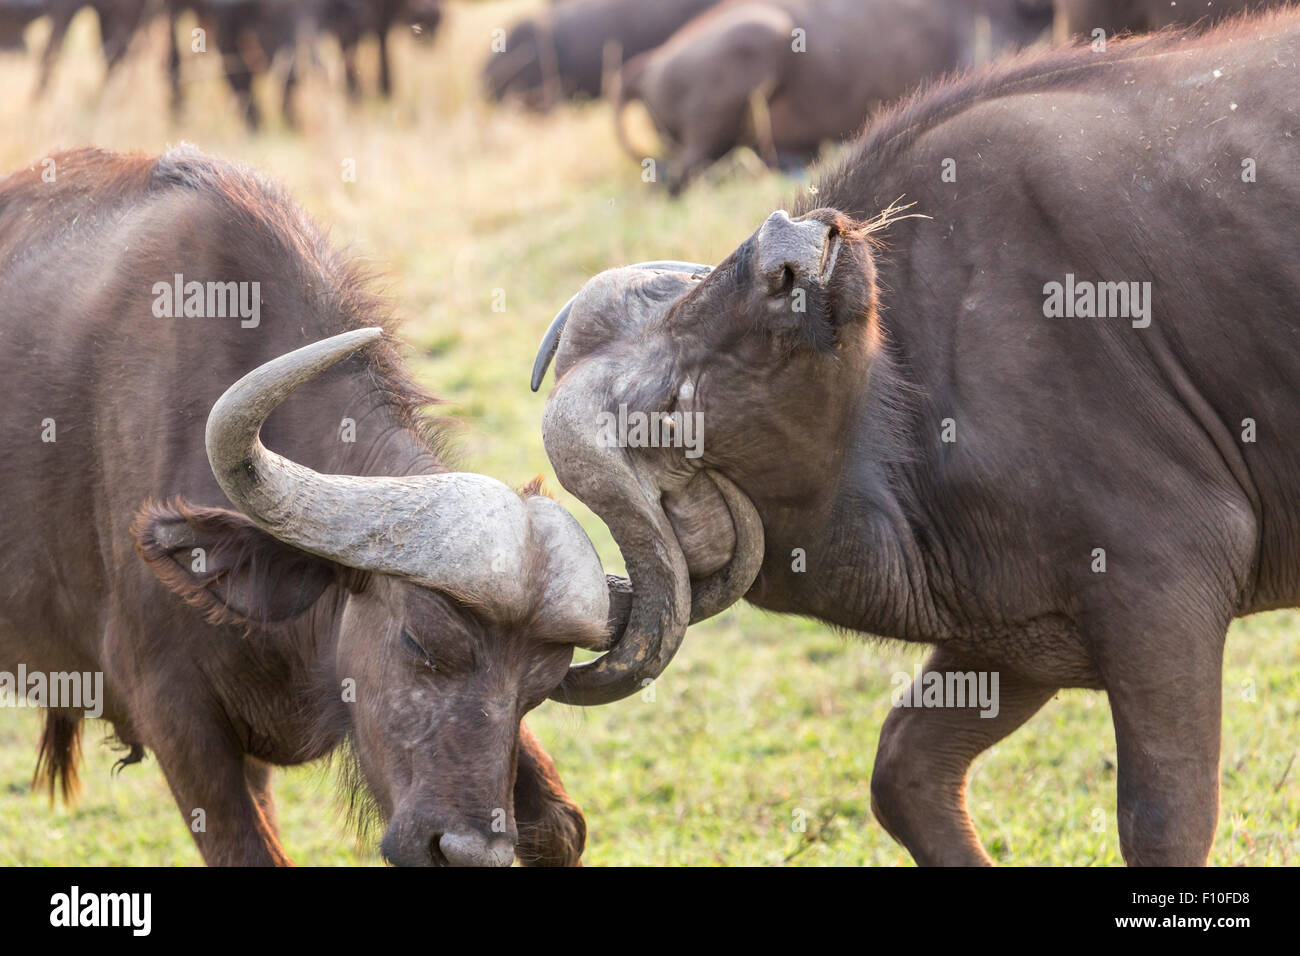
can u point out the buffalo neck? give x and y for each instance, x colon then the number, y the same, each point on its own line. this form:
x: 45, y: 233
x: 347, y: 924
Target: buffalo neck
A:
x: 852, y: 553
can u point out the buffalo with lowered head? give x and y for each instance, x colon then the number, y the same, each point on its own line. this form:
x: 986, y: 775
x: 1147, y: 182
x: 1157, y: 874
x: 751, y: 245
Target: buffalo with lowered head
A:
x: 1075, y: 488
x: 786, y: 76
x: 302, y: 574
x: 566, y: 50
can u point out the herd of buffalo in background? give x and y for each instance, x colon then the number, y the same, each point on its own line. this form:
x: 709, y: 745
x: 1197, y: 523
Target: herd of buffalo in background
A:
x: 780, y: 76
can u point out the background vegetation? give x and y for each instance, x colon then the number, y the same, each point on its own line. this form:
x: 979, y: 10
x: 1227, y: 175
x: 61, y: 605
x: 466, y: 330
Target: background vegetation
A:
x: 761, y: 717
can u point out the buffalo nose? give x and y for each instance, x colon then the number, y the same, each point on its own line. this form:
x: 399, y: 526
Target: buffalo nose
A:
x: 804, y: 248
x: 471, y: 849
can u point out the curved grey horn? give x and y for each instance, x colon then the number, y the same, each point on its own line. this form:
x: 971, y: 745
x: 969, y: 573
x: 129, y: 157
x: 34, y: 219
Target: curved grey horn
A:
x: 462, y: 533
x: 551, y: 340
x: 608, y: 678
x: 717, y: 592
x: 622, y: 491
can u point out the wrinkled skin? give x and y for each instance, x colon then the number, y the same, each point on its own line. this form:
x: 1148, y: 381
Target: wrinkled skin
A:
x: 702, y: 87
x: 263, y: 654
x: 449, y: 707
x: 950, y: 459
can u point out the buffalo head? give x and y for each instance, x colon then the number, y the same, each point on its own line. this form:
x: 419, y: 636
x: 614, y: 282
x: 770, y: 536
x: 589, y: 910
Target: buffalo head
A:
x: 454, y: 604
x: 751, y: 361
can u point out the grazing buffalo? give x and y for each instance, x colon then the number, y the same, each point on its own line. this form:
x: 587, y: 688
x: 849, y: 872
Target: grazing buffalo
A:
x: 357, y: 595
x: 15, y: 16
x: 118, y: 22
x: 785, y: 76
x: 250, y: 36
x: 1139, y: 16
x: 351, y: 20
x: 567, y: 50
x: 1046, y: 426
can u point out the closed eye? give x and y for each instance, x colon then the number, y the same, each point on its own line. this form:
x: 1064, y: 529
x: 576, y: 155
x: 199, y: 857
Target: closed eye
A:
x: 412, y: 645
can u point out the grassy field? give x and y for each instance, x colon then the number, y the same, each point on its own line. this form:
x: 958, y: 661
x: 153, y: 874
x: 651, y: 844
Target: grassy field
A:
x: 762, y: 720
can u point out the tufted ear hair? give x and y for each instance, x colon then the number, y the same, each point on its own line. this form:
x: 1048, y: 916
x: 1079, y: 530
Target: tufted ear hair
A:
x: 226, y: 566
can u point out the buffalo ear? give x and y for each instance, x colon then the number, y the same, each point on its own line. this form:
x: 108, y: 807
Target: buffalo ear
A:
x: 226, y: 566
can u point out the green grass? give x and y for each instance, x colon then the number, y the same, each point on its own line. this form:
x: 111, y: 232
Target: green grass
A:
x: 761, y: 720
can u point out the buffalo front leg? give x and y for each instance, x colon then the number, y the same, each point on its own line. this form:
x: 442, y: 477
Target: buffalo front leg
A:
x: 1166, y: 702
x: 238, y: 72
x: 385, y: 66
x: 918, y: 786
x: 53, y: 47
x: 287, y: 107
x: 117, y: 26
x: 348, y: 41
x: 552, y: 830
x: 213, y: 787
x: 173, y: 63
x: 258, y: 776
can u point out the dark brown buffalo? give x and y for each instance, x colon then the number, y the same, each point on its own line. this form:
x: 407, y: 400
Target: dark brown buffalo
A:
x: 118, y: 22
x: 15, y: 17
x: 785, y: 76
x: 566, y: 50
x: 1139, y: 16
x: 250, y: 37
x: 936, y: 454
x: 352, y: 20
x: 359, y: 594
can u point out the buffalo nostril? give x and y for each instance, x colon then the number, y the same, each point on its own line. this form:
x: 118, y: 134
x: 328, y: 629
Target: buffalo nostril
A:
x: 413, y: 847
x: 470, y: 849
x: 436, y: 856
x: 785, y: 248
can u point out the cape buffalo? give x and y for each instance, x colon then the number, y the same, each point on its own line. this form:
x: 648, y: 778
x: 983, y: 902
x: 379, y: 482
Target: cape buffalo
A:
x: 566, y: 50
x: 118, y: 22
x: 253, y: 34
x: 250, y: 36
x: 359, y: 594
x: 940, y: 448
x: 15, y: 17
x: 785, y: 76
x: 1137, y: 16
x: 351, y: 20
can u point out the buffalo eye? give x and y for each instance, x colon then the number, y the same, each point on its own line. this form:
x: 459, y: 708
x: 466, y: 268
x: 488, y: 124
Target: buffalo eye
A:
x: 414, y: 646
